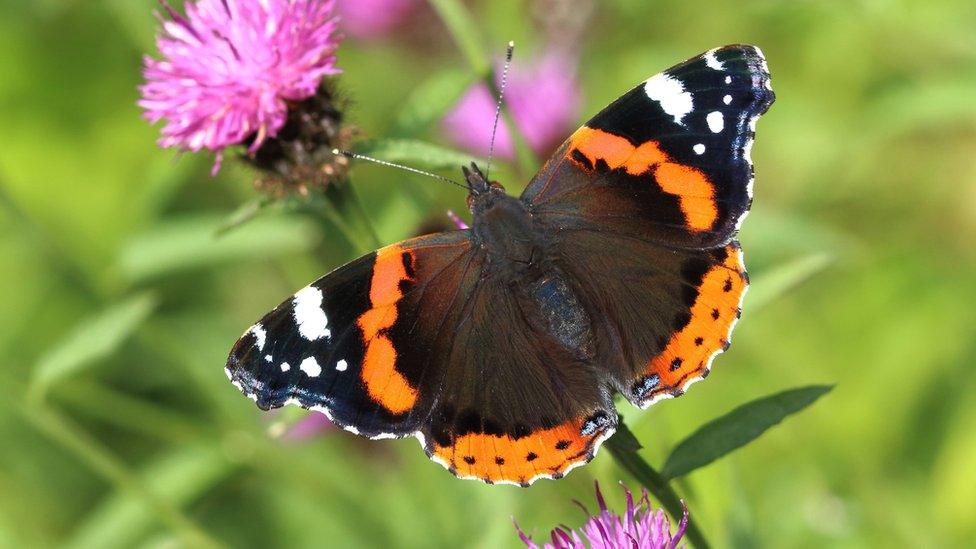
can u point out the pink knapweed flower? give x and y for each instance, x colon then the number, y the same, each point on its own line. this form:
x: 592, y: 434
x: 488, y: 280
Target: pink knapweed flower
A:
x: 229, y: 68
x: 641, y: 527
x: 544, y: 100
x: 367, y: 19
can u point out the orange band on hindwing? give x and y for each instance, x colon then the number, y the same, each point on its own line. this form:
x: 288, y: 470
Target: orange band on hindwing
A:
x: 383, y: 382
x: 716, y: 308
x: 505, y: 458
x: 696, y: 194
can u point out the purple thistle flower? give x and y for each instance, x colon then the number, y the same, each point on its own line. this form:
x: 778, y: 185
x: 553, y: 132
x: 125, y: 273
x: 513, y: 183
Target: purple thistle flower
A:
x: 544, y: 100
x: 229, y: 68
x: 641, y: 527
x: 367, y: 19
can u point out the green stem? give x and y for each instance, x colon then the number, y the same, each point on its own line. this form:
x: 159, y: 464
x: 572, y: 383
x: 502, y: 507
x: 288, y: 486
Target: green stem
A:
x: 465, y: 33
x: 324, y: 209
x: 360, y: 211
x: 624, y: 446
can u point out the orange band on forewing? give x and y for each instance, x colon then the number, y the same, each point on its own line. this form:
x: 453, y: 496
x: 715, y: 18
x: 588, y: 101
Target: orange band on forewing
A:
x: 600, y: 145
x: 712, y: 315
x: 504, y: 458
x: 695, y: 192
x: 383, y: 382
x: 388, y: 272
x: 693, y: 189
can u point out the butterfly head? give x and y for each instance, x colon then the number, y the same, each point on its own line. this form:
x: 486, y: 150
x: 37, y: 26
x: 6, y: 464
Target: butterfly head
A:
x: 477, y: 182
x: 481, y: 192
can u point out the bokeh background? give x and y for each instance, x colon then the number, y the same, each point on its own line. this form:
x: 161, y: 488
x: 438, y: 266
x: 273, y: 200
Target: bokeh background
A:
x: 119, y: 303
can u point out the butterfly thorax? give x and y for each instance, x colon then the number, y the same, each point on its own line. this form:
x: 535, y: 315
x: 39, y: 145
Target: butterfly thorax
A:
x: 503, y: 227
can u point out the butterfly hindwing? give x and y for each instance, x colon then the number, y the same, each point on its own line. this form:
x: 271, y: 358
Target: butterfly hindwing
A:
x: 515, y: 404
x: 665, y: 312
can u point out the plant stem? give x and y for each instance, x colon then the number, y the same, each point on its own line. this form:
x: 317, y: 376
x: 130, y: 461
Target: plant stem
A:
x: 624, y: 446
x: 462, y: 28
x: 360, y: 211
x: 465, y: 33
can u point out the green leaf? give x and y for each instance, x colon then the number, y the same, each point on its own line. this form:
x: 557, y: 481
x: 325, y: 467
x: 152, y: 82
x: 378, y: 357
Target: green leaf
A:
x: 429, y: 101
x: 416, y: 154
x: 189, y: 243
x: 769, y: 286
x: 93, y: 339
x: 739, y: 427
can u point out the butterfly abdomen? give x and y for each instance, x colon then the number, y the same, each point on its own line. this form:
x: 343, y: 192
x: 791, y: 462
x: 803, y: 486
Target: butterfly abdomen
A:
x: 562, y: 313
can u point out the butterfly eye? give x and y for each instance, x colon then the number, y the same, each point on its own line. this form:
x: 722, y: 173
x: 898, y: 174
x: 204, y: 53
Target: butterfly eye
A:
x: 497, y: 186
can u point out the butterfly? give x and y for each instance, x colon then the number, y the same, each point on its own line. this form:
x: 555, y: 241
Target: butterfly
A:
x: 501, y: 346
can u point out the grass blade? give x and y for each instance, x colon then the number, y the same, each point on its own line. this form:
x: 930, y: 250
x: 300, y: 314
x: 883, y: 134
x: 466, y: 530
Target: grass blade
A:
x: 178, y: 245
x: 769, y: 286
x: 92, y: 340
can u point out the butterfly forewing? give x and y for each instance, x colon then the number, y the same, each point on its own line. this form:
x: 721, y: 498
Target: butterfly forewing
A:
x: 669, y: 161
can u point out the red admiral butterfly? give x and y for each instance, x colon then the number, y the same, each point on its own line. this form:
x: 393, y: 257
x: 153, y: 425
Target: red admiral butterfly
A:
x: 501, y: 347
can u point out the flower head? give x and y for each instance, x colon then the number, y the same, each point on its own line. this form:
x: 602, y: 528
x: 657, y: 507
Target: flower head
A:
x: 641, y: 527
x: 543, y: 98
x: 229, y: 69
x: 367, y: 19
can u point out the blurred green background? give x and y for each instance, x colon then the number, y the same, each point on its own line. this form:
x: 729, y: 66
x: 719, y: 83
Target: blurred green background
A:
x: 119, y: 305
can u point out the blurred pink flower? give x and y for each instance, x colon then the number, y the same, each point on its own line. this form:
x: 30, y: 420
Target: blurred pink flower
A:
x: 458, y: 222
x: 543, y: 98
x: 641, y: 527
x: 367, y: 19
x: 312, y: 425
x: 229, y: 67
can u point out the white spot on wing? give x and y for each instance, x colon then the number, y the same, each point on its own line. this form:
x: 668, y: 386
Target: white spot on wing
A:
x: 268, y: 358
x: 716, y: 122
x: 727, y: 99
x: 311, y: 367
x: 309, y: 316
x: 260, y: 335
x: 728, y: 79
x: 285, y: 366
x: 713, y: 62
x: 671, y: 94
x: 699, y: 148
x: 342, y: 365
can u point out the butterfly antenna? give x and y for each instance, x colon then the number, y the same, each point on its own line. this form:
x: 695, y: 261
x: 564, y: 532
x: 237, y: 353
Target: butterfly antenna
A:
x: 357, y: 156
x: 498, y: 106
